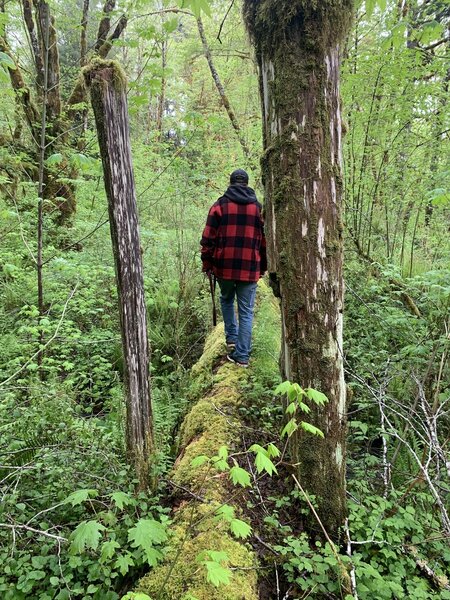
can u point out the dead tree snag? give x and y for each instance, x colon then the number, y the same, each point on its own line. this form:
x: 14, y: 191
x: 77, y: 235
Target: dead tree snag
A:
x: 109, y: 101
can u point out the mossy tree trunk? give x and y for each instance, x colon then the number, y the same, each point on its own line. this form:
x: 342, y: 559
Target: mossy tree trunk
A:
x: 109, y: 101
x: 62, y: 118
x: 298, y: 51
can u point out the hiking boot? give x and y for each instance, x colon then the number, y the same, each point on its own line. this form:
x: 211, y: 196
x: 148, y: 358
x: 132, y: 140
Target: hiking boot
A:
x: 239, y: 363
x: 231, y: 347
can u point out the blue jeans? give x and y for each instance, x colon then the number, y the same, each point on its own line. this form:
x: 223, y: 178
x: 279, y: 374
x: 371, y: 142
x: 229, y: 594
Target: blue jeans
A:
x: 241, y: 335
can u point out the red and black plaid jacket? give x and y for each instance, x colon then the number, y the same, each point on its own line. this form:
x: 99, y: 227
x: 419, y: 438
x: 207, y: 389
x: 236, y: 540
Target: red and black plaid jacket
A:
x: 233, y: 242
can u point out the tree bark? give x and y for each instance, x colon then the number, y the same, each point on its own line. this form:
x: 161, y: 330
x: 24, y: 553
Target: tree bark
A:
x: 45, y: 31
x: 34, y: 43
x: 104, y: 49
x: 36, y: 13
x: 23, y: 94
x: 44, y: 16
x: 223, y: 97
x: 78, y: 93
x: 83, y: 116
x: 298, y: 51
x: 109, y: 101
x: 83, y: 33
x: 44, y: 47
x: 162, y: 93
x: 105, y: 23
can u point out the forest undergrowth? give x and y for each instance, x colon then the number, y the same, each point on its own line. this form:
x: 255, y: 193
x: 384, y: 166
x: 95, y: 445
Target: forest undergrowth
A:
x: 68, y: 492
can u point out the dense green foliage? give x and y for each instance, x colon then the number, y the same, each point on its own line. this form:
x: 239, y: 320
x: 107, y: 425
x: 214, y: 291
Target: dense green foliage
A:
x: 70, y: 523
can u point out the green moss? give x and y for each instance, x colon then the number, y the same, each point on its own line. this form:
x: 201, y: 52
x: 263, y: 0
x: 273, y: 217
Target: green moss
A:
x: 202, y: 371
x: 266, y: 337
x: 99, y: 71
x: 189, y: 576
x: 212, y: 422
x: 268, y: 21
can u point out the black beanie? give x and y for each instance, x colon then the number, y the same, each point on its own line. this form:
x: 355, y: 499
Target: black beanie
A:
x: 239, y: 177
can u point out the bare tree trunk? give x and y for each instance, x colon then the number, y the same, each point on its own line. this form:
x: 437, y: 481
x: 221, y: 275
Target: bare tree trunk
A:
x: 297, y: 47
x: 109, y: 101
x: 437, y: 127
x: 45, y: 30
x: 34, y: 43
x: 43, y: 16
x: 162, y: 94
x: 83, y: 34
x: 59, y: 192
x: 221, y: 90
x: 83, y: 117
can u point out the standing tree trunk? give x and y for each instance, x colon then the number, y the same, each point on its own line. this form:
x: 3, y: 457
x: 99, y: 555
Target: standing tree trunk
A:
x: 223, y: 97
x: 61, y: 119
x: 109, y: 101
x: 162, y: 94
x: 297, y: 48
x: 45, y: 24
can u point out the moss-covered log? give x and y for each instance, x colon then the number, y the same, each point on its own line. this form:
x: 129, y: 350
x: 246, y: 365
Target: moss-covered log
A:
x: 213, y: 421
x: 298, y: 51
x: 207, y: 427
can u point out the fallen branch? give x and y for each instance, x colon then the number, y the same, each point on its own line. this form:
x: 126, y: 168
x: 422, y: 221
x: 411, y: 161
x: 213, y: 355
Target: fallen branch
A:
x: 58, y: 538
x: 187, y: 491
x: 349, y: 554
x: 346, y: 580
x: 440, y: 582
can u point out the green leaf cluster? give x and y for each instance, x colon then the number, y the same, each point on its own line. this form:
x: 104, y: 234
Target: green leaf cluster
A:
x: 216, y: 572
x: 296, y: 397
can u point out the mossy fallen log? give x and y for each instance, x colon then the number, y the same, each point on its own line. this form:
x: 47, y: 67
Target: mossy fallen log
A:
x: 212, y: 422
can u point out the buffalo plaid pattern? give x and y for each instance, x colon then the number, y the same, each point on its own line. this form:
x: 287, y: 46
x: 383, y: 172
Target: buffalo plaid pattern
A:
x: 233, y: 242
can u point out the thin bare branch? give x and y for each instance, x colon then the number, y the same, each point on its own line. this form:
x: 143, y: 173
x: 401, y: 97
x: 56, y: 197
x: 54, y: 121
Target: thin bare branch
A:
x: 58, y: 538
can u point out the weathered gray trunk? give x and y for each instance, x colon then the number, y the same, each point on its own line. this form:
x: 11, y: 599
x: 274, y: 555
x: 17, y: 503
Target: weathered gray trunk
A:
x: 162, y: 93
x: 297, y: 48
x: 109, y: 101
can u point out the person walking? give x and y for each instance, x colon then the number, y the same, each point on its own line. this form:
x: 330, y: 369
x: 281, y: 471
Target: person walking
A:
x: 233, y: 248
